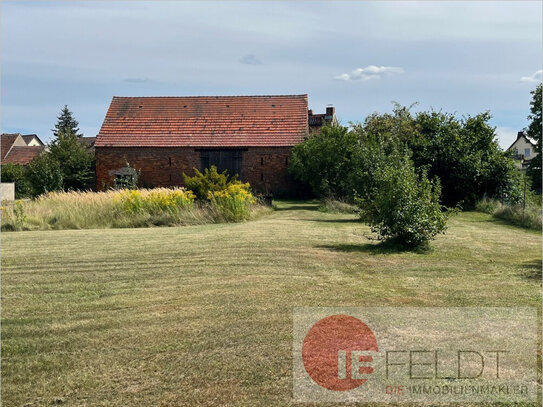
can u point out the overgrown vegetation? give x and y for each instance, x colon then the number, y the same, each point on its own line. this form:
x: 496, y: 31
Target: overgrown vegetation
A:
x: 126, y: 208
x: 331, y: 205
x: 524, y: 215
x: 445, y: 162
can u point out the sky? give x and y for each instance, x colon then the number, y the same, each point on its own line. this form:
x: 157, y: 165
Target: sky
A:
x: 460, y: 57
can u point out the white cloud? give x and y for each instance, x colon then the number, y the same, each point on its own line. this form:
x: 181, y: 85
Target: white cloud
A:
x: 368, y: 73
x: 535, y: 77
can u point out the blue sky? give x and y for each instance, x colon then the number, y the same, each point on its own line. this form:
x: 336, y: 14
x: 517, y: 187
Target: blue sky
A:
x: 461, y: 57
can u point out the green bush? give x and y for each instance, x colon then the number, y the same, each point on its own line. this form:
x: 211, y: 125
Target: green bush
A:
x: 404, y: 207
x: 203, y: 185
x: 16, y: 173
x: 44, y: 175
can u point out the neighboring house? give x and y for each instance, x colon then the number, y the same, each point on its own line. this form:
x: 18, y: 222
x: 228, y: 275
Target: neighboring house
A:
x: 15, y: 150
x: 7, y: 141
x: 316, y: 121
x: 164, y: 137
x: 523, y: 150
x: 32, y: 140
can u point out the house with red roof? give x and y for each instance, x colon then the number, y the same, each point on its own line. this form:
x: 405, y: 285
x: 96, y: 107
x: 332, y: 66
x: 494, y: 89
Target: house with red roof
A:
x: 164, y: 137
x: 16, y: 148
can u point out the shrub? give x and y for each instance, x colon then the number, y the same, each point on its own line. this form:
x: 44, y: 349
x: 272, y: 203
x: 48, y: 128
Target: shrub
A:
x: 16, y: 173
x: 233, y: 203
x: 202, y: 184
x: 404, y: 207
x: 44, y: 175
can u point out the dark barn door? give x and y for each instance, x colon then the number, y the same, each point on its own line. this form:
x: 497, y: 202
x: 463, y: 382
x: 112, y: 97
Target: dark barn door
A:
x: 229, y: 160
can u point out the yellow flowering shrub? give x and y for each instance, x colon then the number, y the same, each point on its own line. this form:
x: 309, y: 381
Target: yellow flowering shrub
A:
x: 130, y: 200
x: 159, y: 200
x: 234, y: 202
x: 154, y: 201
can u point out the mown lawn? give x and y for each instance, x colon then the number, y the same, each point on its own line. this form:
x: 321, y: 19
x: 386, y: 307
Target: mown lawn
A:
x: 202, y: 315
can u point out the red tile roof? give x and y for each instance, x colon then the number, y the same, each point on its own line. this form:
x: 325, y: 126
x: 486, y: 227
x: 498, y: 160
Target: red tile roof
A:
x: 22, y: 155
x: 6, y: 142
x: 205, y: 121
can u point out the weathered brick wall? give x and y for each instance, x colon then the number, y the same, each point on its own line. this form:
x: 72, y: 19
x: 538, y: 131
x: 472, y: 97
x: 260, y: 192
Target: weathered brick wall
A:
x: 159, y: 167
x: 265, y: 168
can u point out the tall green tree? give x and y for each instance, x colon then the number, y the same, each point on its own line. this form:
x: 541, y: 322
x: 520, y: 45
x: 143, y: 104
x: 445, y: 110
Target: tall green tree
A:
x: 66, y: 123
x: 534, y: 132
x: 75, y: 161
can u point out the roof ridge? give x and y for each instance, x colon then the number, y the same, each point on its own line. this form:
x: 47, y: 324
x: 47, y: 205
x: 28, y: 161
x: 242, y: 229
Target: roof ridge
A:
x: 212, y: 96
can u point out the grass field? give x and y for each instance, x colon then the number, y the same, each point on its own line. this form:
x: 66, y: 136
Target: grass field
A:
x: 202, y: 315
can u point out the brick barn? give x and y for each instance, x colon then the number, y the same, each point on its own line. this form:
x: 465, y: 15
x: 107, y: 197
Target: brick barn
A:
x: 164, y: 137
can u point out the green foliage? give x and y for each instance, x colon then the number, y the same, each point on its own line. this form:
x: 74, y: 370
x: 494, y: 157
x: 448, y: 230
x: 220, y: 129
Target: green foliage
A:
x: 75, y: 161
x: 404, y: 206
x: 66, y: 123
x: 210, y: 181
x: 462, y: 153
x: 527, y: 216
x: 325, y: 161
x: 129, y: 180
x: 44, y: 175
x: 465, y: 156
x: 16, y: 173
x: 534, y: 132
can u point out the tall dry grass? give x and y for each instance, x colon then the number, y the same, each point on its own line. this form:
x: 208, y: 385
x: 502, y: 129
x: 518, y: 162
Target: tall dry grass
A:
x: 95, y: 210
x: 528, y: 216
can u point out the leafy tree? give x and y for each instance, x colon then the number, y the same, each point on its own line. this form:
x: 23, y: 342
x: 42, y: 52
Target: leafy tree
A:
x: 534, y: 132
x: 16, y: 173
x: 66, y: 123
x: 44, y: 175
x: 465, y: 156
x: 324, y: 161
x: 75, y: 161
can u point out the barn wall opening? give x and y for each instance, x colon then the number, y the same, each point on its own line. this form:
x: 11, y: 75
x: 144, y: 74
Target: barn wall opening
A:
x: 229, y: 160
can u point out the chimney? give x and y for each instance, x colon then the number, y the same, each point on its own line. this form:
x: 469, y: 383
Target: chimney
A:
x: 520, y: 134
x: 310, y: 112
x: 330, y: 111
